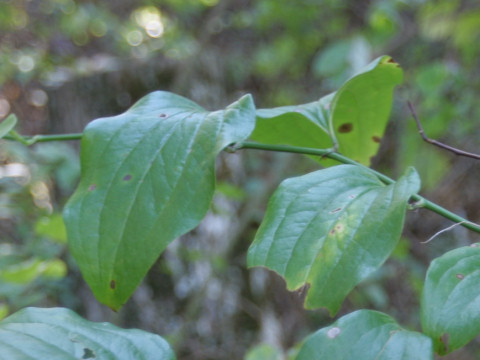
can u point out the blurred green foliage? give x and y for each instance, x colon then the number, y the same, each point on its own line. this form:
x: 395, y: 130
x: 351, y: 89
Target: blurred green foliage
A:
x: 110, y: 53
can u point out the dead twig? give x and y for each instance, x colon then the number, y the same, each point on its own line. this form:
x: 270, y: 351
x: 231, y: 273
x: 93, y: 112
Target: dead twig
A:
x: 438, y: 143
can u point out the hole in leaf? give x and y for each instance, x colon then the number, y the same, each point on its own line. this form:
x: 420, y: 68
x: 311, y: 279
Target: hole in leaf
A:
x: 113, y: 284
x: 127, y: 177
x: 460, y: 276
x: 376, y: 138
x: 88, y: 354
x: 345, y: 128
x: 92, y: 187
x: 334, y: 332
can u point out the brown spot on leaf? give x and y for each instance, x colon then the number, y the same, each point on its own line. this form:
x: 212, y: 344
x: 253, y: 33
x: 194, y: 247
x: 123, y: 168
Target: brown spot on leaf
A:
x: 92, y: 187
x: 335, y: 210
x: 391, y: 60
x: 345, y: 128
x: 376, y: 138
x: 352, y: 196
x: 460, y: 276
x: 162, y: 115
x: 113, y: 284
x: 127, y: 177
x: 444, y: 339
x: 332, y: 232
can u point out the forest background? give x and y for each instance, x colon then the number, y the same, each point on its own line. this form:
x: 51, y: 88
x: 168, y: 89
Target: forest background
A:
x: 64, y: 63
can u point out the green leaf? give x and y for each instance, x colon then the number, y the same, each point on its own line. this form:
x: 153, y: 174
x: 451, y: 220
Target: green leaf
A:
x: 148, y: 176
x: 7, y: 125
x: 366, y: 335
x: 57, y: 333
x: 360, y: 109
x: 303, y: 125
x: 27, y: 271
x: 52, y: 227
x: 451, y: 299
x: 330, y: 229
x: 355, y: 116
x: 264, y: 352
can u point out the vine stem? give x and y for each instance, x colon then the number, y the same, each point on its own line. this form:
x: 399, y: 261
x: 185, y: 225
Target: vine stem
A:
x: 329, y: 153
x: 30, y: 140
x: 420, y: 201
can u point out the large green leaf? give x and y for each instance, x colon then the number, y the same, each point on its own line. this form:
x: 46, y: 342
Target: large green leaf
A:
x: 330, y: 229
x: 366, y: 335
x: 355, y: 116
x: 451, y: 299
x: 147, y: 178
x: 57, y: 333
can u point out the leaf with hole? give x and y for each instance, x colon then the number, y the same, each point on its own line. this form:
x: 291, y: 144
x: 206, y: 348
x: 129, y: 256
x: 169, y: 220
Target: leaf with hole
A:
x: 451, y: 299
x: 58, y: 333
x: 148, y: 176
x: 330, y: 229
x: 366, y: 335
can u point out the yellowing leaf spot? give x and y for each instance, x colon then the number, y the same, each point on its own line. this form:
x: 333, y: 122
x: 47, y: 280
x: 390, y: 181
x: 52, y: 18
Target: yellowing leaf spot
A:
x: 334, y: 332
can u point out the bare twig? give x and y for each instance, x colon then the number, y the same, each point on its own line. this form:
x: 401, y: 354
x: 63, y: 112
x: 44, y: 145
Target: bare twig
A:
x: 438, y: 143
x: 445, y: 230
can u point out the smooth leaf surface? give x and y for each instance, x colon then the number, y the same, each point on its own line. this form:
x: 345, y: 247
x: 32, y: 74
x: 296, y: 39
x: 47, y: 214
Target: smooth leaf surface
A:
x: 330, y: 229
x: 366, y: 335
x: 148, y: 176
x: 7, y: 125
x: 57, y: 333
x: 451, y: 299
x: 355, y: 116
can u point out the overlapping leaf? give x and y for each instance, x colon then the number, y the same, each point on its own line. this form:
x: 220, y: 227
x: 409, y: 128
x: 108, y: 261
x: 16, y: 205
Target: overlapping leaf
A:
x: 57, y: 333
x: 451, y: 299
x: 355, y: 116
x: 330, y: 229
x: 366, y: 335
x: 147, y: 178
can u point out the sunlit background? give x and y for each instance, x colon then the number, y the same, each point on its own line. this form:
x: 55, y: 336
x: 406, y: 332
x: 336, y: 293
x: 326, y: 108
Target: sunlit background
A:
x: 64, y: 63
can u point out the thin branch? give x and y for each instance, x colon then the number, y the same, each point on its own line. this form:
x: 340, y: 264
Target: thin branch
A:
x: 30, y: 140
x: 442, y: 231
x: 438, y: 143
x: 420, y: 201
